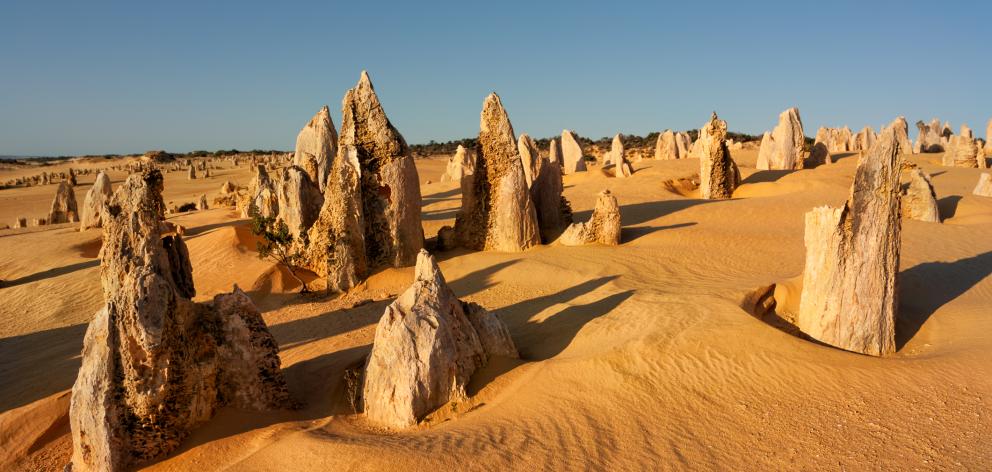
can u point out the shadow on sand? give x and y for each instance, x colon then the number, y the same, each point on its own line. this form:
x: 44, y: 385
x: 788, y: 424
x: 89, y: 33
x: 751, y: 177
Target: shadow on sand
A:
x: 926, y: 287
x: 46, y: 274
x: 37, y: 365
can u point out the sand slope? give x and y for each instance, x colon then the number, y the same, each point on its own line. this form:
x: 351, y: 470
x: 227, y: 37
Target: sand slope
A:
x: 634, y: 357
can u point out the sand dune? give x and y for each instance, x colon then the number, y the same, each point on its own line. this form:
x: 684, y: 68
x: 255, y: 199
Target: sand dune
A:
x: 633, y: 357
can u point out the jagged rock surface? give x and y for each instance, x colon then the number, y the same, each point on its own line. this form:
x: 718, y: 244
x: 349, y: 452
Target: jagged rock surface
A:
x: 427, y: 345
x: 497, y: 212
x: 572, y: 158
x: 155, y: 365
x: 371, y: 212
x: 618, y: 158
x: 300, y: 200
x: 718, y: 173
x: 529, y: 157
x: 63, y: 208
x: 462, y: 163
x: 849, y: 295
x: 667, y: 146
x: 603, y: 227
x: 901, y: 128
x: 784, y: 149
x: 984, y: 187
x: 919, y: 201
x: 262, y: 198
x: 929, y: 138
x: 316, y: 146
x: 95, y: 204
x: 963, y: 151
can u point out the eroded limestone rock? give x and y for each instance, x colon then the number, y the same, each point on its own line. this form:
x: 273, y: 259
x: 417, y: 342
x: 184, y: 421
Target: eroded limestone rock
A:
x: 984, y: 187
x: 603, y: 227
x: 300, y: 200
x: 919, y: 201
x: 497, y: 212
x: 849, y: 295
x: 427, y: 345
x: 63, y: 208
x: 371, y: 212
x: 462, y: 163
x: 782, y: 149
x: 718, y: 173
x: 155, y: 364
x: 667, y: 147
x: 572, y: 157
x: 316, y: 146
x: 617, y: 157
x: 95, y: 204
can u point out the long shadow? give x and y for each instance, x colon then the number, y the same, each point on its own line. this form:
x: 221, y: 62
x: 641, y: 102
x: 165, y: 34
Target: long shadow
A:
x: 637, y: 232
x: 320, y: 378
x: 34, y: 366
x: 926, y: 287
x: 541, y: 340
x: 46, y: 274
x: 948, y: 206
x: 637, y: 213
x: 443, y: 195
x: 439, y: 214
x: 479, y: 280
x: 843, y: 155
x: 766, y: 176
x: 558, y: 330
x: 517, y: 316
x: 325, y: 325
x: 200, y: 230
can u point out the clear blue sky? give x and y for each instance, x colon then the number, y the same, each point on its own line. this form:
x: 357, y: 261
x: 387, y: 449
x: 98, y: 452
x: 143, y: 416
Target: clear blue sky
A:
x: 119, y: 77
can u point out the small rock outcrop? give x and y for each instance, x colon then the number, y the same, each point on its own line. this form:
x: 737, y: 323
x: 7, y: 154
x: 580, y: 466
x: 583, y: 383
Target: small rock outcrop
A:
x: 667, y: 146
x: 782, y: 149
x: 617, y: 157
x: 316, y: 146
x: 529, y: 157
x: 718, y: 173
x: 95, y: 204
x: 849, y: 295
x: 155, y: 364
x: 864, y: 140
x: 497, y: 212
x: 191, y: 175
x: 984, y: 187
x: 300, y: 200
x: 572, y: 157
x: 603, y: 227
x: 919, y: 201
x: 554, y: 153
x: 901, y: 128
x: 929, y: 138
x: 462, y: 163
x: 553, y: 211
x: 201, y: 204
x: 262, y: 198
x: 427, y: 345
x: 371, y: 212
x: 963, y: 151
x: 63, y: 208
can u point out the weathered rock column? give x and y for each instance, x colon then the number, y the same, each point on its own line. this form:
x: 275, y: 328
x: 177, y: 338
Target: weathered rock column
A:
x: 497, y: 212
x: 718, y: 173
x: 849, y: 295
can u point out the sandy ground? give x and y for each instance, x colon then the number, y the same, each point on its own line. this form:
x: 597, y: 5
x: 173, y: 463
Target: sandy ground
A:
x: 634, y: 357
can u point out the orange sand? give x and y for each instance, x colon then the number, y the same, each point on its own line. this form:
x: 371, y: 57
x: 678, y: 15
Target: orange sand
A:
x: 634, y: 357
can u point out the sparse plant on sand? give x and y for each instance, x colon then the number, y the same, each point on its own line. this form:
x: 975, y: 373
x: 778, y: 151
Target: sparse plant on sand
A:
x: 277, y: 245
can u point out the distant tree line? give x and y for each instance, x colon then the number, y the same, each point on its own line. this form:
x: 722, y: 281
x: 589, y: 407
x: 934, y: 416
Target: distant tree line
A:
x: 630, y: 141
